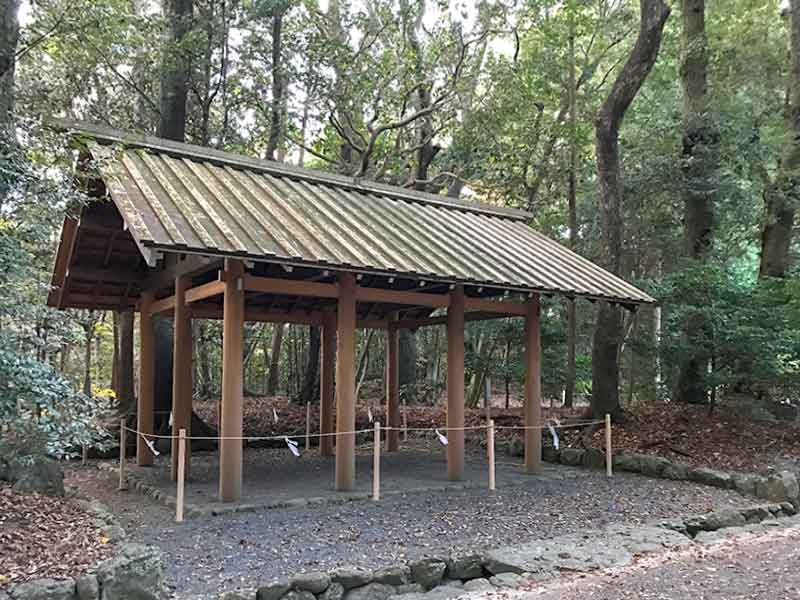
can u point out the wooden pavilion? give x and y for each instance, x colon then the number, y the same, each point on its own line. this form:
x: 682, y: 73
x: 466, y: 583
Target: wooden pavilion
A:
x: 193, y: 232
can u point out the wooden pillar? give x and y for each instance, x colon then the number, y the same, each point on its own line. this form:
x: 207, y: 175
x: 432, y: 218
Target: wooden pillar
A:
x: 455, y: 384
x: 533, y: 388
x: 182, y: 372
x: 346, y: 383
x: 392, y: 386
x: 230, y: 451
x: 326, y: 375
x: 145, y: 403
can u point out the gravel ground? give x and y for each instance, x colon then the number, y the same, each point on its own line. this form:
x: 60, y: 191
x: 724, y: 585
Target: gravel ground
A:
x: 244, y: 550
x: 748, y: 567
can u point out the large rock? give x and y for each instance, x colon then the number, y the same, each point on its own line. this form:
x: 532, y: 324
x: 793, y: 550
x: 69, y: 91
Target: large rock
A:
x: 465, y: 567
x: 676, y: 471
x: 443, y: 592
x: 506, y: 580
x: 478, y: 585
x: 779, y: 487
x: 351, y: 577
x: 653, y: 466
x: 610, y: 547
x: 572, y: 456
x: 299, y: 595
x: 87, y: 587
x: 39, y: 475
x: 746, y: 483
x: 594, y: 459
x: 45, y: 589
x: 711, y: 477
x: 335, y: 591
x: 550, y: 454
x: 756, y: 514
x: 137, y: 572
x: 393, y: 576
x: 628, y: 461
x: 272, y: 591
x: 428, y: 572
x: 314, y: 582
x: 725, y: 517
x: 371, y: 591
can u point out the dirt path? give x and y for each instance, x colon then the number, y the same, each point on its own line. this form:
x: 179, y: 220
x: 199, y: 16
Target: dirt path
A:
x: 751, y: 566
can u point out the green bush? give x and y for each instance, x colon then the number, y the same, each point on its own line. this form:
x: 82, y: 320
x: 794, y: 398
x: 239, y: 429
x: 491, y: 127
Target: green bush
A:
x: 43, y: 415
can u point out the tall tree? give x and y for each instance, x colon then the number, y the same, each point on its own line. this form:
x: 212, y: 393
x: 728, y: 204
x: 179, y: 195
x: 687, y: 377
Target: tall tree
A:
x: 9, y: 36
x: 277, y: 110
x: 175, y: 68
x: 608, y: 330
x: 782, y: 196
x: 698, y: 163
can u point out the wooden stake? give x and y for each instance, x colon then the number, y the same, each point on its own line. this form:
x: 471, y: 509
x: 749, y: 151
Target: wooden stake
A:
x: 181, y: 475
x: 308, y: 425
x: 376, y: 464
x: 123, y: 480
x: 490, y: 448
x: 609, y: 456
x: 84, y: 454
x: 405, y: 421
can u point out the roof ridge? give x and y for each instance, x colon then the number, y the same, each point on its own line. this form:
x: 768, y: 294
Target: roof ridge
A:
x: 104, y: 134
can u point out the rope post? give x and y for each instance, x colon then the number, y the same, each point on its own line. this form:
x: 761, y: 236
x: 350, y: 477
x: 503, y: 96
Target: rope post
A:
x: 123, y: 480
x: 376, y: 464
x: 609, y: 457
x: 308, y: 425
x: 490, y: 448
x: 405, y: 421
x: 84, y: 454
x: 181, y: 475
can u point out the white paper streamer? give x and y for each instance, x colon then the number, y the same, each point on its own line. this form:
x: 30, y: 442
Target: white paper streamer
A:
x: 170, y: 418
x: 442, y: 437
x: 292, y: 446
x: 274, y: 415
x: 152, y: 446
x: 554, y: 434
x: 369, y: 413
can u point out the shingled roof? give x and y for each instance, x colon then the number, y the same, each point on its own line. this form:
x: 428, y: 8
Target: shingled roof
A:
x: 177, y: 197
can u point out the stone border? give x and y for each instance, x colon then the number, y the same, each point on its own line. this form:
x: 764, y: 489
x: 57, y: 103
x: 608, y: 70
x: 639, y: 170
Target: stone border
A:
x: 443, y: 578
x: 777, y: 486
x: 136, y: 570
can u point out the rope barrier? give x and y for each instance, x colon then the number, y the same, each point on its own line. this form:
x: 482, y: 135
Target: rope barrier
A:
x: 249, y: 438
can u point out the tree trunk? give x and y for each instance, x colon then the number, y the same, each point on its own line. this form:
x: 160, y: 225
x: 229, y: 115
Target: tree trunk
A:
x: 310, y: 388
x: 608, y: 329
x: 700, y: 141
x: 87, y: 361
x: 175, y: 68
x: 9, y: 36
x: 274, y: 361
x: 276, y: 110
x: 124, y: 370
x: 407, y: 373
x: 782, y: 197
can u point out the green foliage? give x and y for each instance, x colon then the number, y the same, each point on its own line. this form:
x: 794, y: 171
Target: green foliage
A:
x: 43, y: 412
x: 753, y: 333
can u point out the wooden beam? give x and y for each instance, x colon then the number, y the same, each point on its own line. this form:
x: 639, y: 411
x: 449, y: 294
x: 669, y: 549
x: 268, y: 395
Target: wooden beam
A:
x: 496, y: 306
x: 164, y: 305
x: 145, y: 399
x: 289, y: 287
x: 191, y: 265
x: 230, y: 450
x: 207, y: 290
x: 66, y: 248
x: 442, y: 320
x: 533, y: 387
x: 346, y: 383
x: 392, y: 386
x: 181, y: 372
x: 401, y: 297
x: 326, y: 384
x: 455, y: 384
x: 110, y: 275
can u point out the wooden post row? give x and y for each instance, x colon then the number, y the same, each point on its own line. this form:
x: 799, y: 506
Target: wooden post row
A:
x: 376, y: 464
x: 179, y: 496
